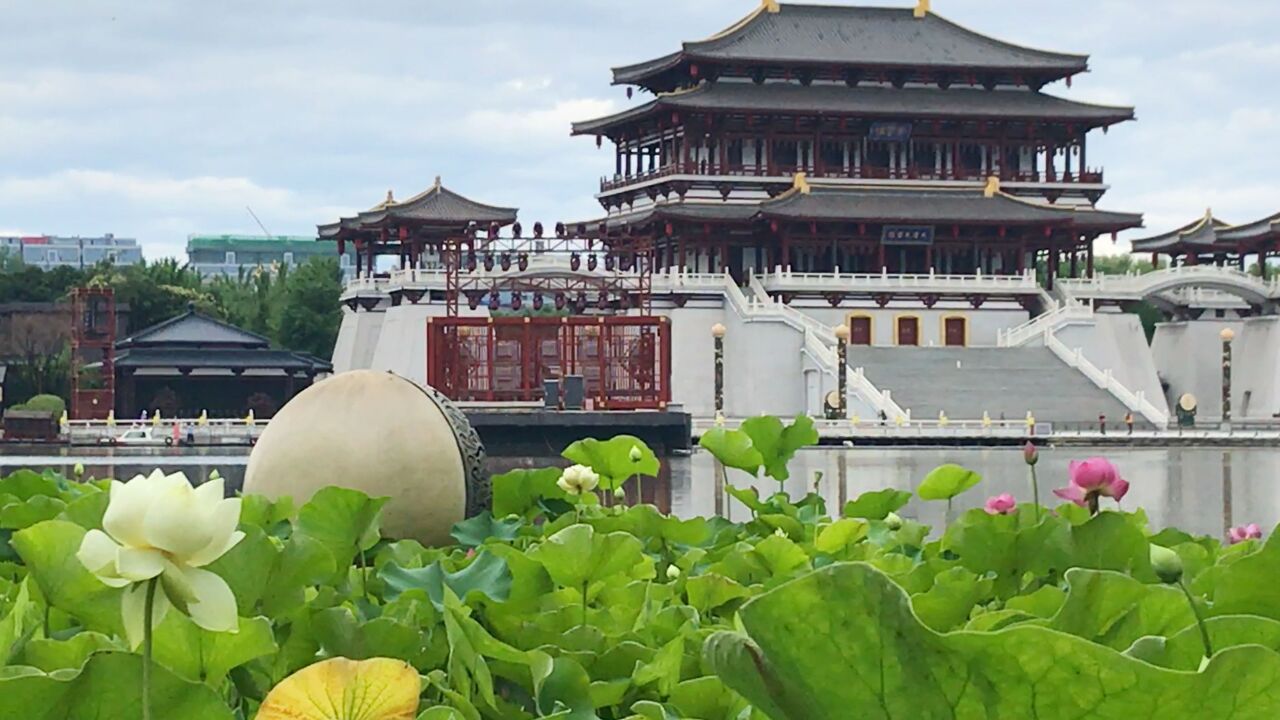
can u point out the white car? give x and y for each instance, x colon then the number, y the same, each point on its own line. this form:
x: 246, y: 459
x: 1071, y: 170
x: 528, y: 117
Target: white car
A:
x: 138, y: 436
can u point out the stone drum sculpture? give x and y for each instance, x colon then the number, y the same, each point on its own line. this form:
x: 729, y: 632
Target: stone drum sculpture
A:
x: 382, y: 435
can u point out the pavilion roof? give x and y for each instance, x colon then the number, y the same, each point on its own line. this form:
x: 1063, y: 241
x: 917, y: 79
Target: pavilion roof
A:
x: 1201, y: 233
x: 933, y: 205
x: 869, y: 37
x: 192, y: 330
x: 436, y: 208
x: 263, y: 359
x: 912, y: 102
x: 1268, y: 228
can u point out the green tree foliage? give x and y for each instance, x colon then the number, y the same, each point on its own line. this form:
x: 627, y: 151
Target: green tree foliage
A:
x: 310, y: 314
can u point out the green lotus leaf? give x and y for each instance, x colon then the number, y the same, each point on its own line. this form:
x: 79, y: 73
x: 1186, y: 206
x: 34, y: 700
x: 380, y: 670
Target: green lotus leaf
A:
x: 194, y: 653
x: 49, y: 552
x: 345, y: 521
x: 1009, y: 546
x: 843, y: 642
x: 302, y: 562
x: 776, y: 443
x: 49, y: 655
x: 247, y: 569
x: 877, y: 504
x: 341, y: 634
x: 733, y: 448
x: 107, y: 688
x: 949, y: 602
x: 578, y: 555
x: 946, y: 482
x: 487, y: 574
x: 474, y: 532
x: 611, y: 459
x: 709, y: 591
x: 24, y: 514
x: 26, y: 484
x: 519, y: 492
x: 1114, y: 610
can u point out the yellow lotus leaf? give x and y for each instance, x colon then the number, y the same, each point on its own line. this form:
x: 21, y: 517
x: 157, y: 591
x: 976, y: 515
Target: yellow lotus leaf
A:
x: 342, y: 689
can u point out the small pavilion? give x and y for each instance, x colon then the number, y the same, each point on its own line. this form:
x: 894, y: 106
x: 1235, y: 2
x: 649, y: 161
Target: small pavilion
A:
x: 193, y: 363
x: 1212, y: 241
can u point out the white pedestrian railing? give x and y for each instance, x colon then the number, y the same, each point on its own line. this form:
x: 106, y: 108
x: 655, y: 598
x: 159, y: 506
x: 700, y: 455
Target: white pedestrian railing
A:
x: 1049, y: 322
x: 1135, y: 401
x: 1137, y: 285
x: 819, y: 341
x: 365, y: 286
x: 785, y: 279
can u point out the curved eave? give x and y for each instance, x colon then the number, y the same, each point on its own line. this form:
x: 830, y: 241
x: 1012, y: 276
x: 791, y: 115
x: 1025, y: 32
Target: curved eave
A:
x: 1106, y: 116
x: 1264, y: 229
x: 1203, y: 234
x: 785, y: 36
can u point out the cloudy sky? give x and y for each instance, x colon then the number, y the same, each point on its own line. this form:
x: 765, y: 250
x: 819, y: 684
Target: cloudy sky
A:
x: 160, y: 118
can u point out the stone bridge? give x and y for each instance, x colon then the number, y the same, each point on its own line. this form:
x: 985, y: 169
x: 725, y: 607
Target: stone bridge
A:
x: 1162, y: 286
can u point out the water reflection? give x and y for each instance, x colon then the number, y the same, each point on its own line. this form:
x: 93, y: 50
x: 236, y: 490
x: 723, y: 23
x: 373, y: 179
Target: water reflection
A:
x: 1201, y: 490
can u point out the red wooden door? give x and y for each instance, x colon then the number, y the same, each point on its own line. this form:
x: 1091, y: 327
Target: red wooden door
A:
x: 859, y: 331
x: 956, y: 329
x: 908, y: 331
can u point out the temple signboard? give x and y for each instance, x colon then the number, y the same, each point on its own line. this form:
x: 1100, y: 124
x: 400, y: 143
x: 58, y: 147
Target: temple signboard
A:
x: 890, y: 131
x: 907, y: 235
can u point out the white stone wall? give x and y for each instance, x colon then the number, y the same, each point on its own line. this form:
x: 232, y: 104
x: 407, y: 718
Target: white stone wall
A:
x: 1116, y: 342
x: 357, y: 339
x: 983, y: 323
x: 1188, y: 356
x: 1256, y: 373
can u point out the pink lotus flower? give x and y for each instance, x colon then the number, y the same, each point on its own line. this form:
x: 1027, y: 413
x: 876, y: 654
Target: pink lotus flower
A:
x: 1091, y: 479
x: 1001, y: 504
x: 1247, y: 532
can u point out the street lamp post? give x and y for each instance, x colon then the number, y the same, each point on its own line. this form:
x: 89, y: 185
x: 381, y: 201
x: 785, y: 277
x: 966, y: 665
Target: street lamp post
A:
x: 1227, y: 335
x: 717, y: 332
x: 842, y: 369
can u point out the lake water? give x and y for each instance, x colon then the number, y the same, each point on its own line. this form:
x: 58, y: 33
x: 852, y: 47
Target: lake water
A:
x: 1201, y: 490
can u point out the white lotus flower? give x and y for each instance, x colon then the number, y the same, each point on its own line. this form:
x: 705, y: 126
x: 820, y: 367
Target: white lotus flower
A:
x: 578, y: 479
x: 159, y: 526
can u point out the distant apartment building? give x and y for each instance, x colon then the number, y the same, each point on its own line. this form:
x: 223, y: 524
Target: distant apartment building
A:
x: 48, y: 252
x: 229, y: 254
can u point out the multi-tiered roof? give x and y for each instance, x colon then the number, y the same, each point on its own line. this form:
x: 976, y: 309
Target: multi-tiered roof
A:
x: 848, y: 44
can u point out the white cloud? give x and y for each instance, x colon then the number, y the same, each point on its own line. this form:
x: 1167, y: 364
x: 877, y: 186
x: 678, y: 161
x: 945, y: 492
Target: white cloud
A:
x: 165, y: 118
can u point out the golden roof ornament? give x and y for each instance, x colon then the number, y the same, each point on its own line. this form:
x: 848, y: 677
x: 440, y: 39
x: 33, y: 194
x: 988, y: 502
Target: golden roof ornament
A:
x: 922, y: 8
x: 771, y: 6
x: 992, y: 188
x: 802, y: 184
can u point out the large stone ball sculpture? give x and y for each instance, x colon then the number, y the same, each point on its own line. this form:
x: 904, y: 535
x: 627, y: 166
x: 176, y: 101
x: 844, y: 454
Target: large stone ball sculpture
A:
x: 382, y: 435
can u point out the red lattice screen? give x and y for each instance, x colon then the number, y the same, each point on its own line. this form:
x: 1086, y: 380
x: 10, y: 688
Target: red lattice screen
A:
x: 625, y: 362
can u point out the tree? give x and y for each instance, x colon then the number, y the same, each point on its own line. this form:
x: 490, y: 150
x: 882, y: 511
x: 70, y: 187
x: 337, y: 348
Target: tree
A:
x: 310, y: 314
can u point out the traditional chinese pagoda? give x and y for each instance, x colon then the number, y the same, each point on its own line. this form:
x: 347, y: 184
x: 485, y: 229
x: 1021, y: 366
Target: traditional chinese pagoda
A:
x: 1211, y: 241
x: 863, y: 139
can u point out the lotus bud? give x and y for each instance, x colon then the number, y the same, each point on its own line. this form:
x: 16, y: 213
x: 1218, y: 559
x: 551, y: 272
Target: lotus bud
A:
x: 635, y: 454
x: 1030, y: 453
x: 673, y: 572
x: 1167, y: 564
x: 1001, y: 505
x: 780, y: 532
x: 619, y: 493
x: 893, y: 521
x: 78, y: 470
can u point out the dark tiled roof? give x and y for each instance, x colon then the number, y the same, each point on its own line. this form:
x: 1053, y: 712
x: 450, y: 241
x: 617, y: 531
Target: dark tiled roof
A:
x: 1203, y: 232
x: 221, y: 359
x: 857, y: 203
x: 191, y: 329
x: 858, y: 36
x: 793, y: 98
x: 692, y: 211
x: 437, y: 206
x: 932, y: 206
x: 1268, y: 227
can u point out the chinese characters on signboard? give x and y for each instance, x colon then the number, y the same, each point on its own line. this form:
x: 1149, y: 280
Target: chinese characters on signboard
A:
x: 907, y: 235
x: 890, y: 132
